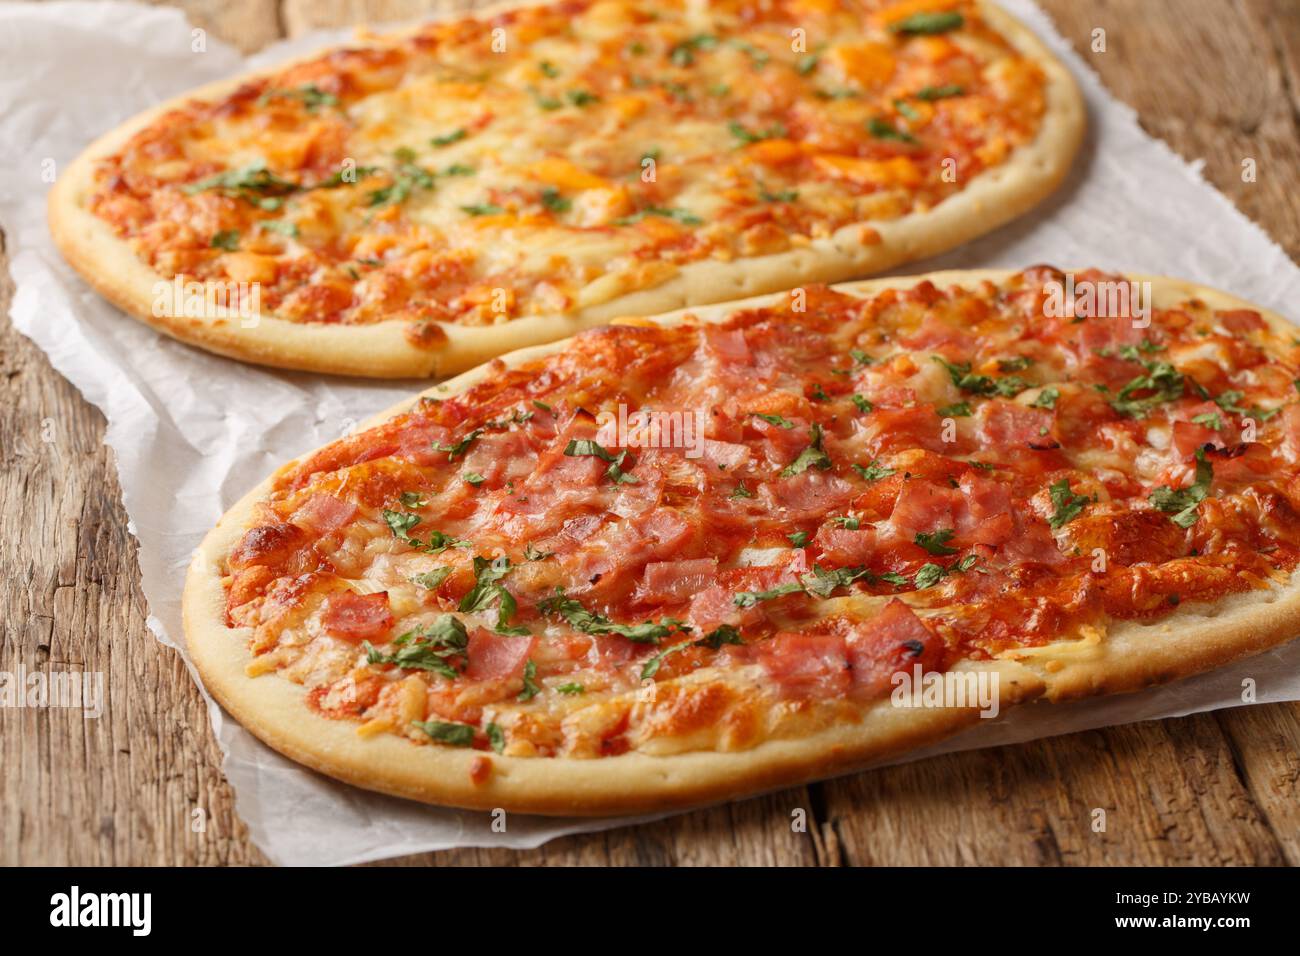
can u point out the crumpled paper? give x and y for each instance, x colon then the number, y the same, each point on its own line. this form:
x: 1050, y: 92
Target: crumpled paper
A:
x: 192, y: 431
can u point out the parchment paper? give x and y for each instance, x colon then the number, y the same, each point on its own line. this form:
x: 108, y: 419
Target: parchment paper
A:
x: 192, y: 431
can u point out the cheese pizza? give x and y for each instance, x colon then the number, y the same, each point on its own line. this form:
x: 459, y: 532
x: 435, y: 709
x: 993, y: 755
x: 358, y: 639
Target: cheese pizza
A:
x: 415, y: 204
x: 687, y: 558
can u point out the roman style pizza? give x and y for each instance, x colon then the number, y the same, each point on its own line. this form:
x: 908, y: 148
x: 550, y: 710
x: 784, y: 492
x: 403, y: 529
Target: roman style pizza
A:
x: 680, y: 559
x: 418, y: 203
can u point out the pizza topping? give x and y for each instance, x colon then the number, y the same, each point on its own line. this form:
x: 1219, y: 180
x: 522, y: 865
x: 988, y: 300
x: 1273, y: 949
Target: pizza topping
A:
x: 357, y: 617
x: 440, y: 647
x: 895, y: 641
x: 780, y: 553
x: 1181, y: 503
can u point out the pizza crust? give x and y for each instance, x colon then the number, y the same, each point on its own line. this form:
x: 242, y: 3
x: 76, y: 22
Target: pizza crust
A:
x: 381, y: 350
x: 1132, y: 656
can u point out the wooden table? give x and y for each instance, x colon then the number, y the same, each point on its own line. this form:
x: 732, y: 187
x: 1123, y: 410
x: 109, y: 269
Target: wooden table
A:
x: 1217, y: 80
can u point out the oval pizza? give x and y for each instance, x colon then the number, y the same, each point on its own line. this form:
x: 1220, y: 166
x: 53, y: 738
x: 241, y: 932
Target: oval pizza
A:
x: 418, y: 203
x: 691, y: 557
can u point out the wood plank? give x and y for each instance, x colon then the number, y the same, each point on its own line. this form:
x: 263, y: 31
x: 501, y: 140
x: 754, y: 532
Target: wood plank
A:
x: 118, y: 789
x: 1221, y: 91
x: 246, y: 24
x: 1168, y: 789
x: 1218, y: 788
x: 302, y: 16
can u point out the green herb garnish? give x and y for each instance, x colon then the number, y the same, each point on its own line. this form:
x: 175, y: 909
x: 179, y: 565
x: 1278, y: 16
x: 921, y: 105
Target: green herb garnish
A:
x: 1182, y: 503
x: 1066, y: 504
x: 928, y: 24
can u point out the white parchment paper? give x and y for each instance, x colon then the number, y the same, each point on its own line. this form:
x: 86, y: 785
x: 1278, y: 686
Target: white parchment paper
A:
x: 192, y: 431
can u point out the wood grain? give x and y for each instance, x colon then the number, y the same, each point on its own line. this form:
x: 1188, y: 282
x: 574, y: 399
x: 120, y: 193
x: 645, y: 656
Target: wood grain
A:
x: 1217, y: 80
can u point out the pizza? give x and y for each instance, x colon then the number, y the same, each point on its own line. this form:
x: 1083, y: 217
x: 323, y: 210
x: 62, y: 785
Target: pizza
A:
x: 687, y: 558
x: 416, y: 204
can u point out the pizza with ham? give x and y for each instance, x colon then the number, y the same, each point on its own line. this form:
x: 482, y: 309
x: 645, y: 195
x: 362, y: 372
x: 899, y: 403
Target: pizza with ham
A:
x: 686, y: 558
x: 416, y: 204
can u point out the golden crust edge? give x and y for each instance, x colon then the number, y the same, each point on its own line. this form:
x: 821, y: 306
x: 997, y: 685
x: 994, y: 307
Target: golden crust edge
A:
x: 381, y: 350
x: 1193, y: 639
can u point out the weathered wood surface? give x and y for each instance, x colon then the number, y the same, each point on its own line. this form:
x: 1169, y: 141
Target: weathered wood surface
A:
x: 1217, y: 80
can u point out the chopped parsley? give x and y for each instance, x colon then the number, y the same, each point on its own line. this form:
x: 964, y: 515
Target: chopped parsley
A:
x: 435, y: 648
x: 860, y: 358
x: 746, y: 135
x: 253, y: 183
x: 446, y: 139
x: 798, y: 538
x: 936, y: 542
x: 928, y: 24
x: 283, y: 226
x: 864, y: 406
x: 726, y: 634
x: 776, y: 420
x: 310, y: 96
x: 1182, y: 503
x: 929, y: 575
x: 555, y: 202
x: 931, y: 93
x: 431, y: 579
x: 580, y: 619
x: 482, y: 209
x: 406, y: 176
x: 683, y: 54
x: 402, y: 523
x: 459, y: 448
x: 955, y: 410
x: 906, y: 109
x: 757, y: 55
x: 822, y: 583
x: 1228, y: 401
x: 1065, y: 503
x: 531, y: 687
x: 488, y: 588
x: 741, y: 492
x: 873, y: 471
x: 1159, y: 384
x: 683, y: 216
x: 227, y: 239
x: 961, y: 376
x: 814, y: 456
x: 579, y: 447
x: 445, y: 732
x: 750, y: 598
x: 883, y: 129
x: 1047, y: 397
